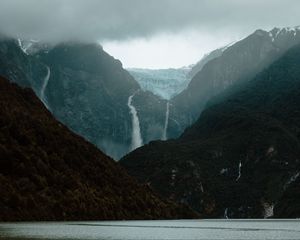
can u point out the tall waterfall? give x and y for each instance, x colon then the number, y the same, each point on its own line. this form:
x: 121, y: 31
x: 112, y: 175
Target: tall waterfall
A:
x: 164, y: 136
x: 136, y: 138
x: 240, y: 171
x: 44, y: 86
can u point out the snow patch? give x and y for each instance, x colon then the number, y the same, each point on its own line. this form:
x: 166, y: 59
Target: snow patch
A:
x: 22, y: 47
x: 274, y: 33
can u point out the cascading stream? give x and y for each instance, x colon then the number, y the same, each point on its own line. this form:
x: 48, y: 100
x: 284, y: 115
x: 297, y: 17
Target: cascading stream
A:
x: 164, y: 136
x: 136, y: 138
x: 226, y: 213
x: 240, y: 171
x: 44, y: 86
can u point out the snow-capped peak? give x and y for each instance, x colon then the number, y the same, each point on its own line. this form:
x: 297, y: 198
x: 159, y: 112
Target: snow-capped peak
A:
x: 275, y: 32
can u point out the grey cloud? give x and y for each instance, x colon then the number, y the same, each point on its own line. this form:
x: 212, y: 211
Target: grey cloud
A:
x: 90, y: 20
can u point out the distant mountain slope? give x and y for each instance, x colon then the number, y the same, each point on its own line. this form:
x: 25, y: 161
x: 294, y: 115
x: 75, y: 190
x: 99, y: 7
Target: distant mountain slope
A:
x: 208, y: 57
x: 241, y: 159
x: 165, y: 83
x: 49, y: 173
x: 238, y: 63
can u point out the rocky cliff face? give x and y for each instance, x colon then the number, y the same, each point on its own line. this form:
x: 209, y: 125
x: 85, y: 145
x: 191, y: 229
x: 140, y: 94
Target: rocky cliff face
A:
x: 241, y: 159
x: 236, y: 64
x: 88, y: 91
x: 49, y: 173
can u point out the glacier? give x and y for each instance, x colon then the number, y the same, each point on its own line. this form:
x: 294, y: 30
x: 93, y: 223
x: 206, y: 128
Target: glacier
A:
x: 165, y: 83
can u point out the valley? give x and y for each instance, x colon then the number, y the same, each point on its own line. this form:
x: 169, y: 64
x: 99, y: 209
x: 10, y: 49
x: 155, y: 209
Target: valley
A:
x: 217, y: 139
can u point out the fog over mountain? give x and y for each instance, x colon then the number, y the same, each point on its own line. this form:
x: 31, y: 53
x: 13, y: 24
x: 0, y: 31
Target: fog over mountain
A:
x: 195, y: 26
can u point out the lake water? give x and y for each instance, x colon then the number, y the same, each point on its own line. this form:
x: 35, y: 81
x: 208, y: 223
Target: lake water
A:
x: 142, y: 230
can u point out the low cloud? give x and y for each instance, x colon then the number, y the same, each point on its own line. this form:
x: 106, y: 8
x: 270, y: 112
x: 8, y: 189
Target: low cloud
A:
x: 105, y: 20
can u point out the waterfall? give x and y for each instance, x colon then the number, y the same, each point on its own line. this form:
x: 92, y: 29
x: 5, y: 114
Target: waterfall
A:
x: 136, y: 138
x: 240, y: 171
x: 226, y: 213
x: 44, y: 86
x: 164, y: 136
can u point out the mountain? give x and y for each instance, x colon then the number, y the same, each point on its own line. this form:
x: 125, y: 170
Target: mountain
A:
x: 165, y: 83
x: 49, y: 173
x: 86, y: 89
x: 241, y: 158
x: 206, y: 58
x: 237, y: 64
x: 19, y: 67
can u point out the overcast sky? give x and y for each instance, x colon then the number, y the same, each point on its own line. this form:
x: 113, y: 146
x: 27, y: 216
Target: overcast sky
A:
x: 146, y: 33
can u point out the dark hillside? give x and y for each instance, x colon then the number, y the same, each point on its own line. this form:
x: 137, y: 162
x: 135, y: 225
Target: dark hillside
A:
x: 49, y: 173
x: 242, y: 156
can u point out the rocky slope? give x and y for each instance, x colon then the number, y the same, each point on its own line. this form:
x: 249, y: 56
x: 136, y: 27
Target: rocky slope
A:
x: 49, y: 173
x: 237, y: 63
x: 241, y: 159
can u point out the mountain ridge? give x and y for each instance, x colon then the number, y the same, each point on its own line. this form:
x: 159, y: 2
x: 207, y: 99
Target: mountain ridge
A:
x: 237, y: 64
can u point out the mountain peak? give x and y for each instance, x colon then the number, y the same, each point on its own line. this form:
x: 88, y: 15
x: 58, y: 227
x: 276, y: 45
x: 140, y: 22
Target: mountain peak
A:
x: 276, y: 32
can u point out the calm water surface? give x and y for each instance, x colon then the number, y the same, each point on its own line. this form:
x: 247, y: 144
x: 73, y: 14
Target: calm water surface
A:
x: 150, y: 230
